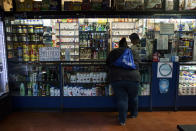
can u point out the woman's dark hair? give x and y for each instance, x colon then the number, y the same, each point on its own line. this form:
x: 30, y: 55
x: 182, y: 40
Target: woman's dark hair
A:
x: 123, y: 42
x: 134, y: 36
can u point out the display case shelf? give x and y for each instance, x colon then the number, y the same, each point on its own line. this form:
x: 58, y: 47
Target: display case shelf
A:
x: 67, y: 29
x: 91, y: 83
x: 27, y: 33
x: 29, y: 42
x: 35, y: 62
x: 83, y: 71
x: 35, y: 81
x: 119, y: 35
x: 67, y: 36
x: 92, y: 31
x: 185, y: 31
x: 68, y: 42
x: 188, y: 70
x: 123, y: 28
x: 27, y: 25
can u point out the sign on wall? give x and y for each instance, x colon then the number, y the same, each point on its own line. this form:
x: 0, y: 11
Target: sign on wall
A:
x: 166, y: 29
x: 164, y: 70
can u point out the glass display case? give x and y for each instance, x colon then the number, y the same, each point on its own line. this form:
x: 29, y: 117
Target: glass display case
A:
x: 79, y: 73
x: 3, y: 63
x: 146, y: 76
x: 34, y: 80
x: 86, y: 80
x: 187, y: 80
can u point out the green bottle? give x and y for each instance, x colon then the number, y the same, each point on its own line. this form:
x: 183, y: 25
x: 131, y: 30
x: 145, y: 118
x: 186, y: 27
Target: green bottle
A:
x: 22, y: 89
x: 29, y: 89
x: 47, y: 90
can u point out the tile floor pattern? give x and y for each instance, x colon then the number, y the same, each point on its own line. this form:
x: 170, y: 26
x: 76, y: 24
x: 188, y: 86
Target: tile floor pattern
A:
x: 95, y: 121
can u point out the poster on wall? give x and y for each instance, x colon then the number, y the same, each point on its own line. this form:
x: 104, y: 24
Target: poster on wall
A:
x: 163, y: 86
x: 49, y: 54
x: 162, y: 42
x: 164, y: 70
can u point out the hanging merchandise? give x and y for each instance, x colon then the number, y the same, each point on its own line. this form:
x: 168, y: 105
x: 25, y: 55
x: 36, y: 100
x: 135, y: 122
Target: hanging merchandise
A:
x: 134, y: 4
x: 190, y: 4
x: 96, y: 4
x: 86, y: 5
x: 28, y: 5
x: 181, y: 5
x: 20, y: 6
x: 37, y: 5
x: 169, y: 5
x: 106, y: 4
x: 68, y: 5
x: 163, y: 86
x: 7, y: 5
x: 119, y: 4
x: 77, y: 6
x: 154, y: 4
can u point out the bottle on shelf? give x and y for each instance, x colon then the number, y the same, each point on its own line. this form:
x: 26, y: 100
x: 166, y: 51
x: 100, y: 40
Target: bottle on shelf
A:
x: 22, y: 89
x: 47, y: 90
x: 35, y: 89
x: 29, y: 89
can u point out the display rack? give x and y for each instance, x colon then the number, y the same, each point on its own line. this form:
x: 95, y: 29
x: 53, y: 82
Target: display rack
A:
x: 93, y: 41
x: 68, y: 38
x: 186, y: 45
x: 22, y: 37
x: 186, y: 89
x: 124, y: 29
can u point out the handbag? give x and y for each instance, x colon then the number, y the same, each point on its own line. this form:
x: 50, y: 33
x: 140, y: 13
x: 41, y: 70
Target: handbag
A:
x: 126, y: 60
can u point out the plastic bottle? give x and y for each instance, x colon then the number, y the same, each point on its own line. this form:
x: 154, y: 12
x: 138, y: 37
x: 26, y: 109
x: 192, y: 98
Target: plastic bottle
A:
x: 47, y: 90
x: 30, y: 89
x: 67, y: 54
x: 35, y: 89
x: 22, y: 89
x: 52, y: 91
x: 65, y: 89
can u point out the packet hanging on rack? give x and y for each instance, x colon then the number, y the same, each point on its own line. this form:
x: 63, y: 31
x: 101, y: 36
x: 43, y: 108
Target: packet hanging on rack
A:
x: 190, y: 4
x: 154, y: 4
x: 134, y: 4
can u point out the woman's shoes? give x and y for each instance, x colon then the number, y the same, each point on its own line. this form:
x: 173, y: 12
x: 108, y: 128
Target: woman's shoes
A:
x: 122, y: 123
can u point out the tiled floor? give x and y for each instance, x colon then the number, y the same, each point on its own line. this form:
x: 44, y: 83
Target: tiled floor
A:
x: 94, y: 121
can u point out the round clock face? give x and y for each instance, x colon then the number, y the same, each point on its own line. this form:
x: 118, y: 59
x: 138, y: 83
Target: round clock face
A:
x: 165, y: 69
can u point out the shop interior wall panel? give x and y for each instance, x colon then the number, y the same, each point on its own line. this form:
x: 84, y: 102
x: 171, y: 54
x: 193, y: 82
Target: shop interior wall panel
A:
x: 144, y: 101
x: 36, y: 102
x: 167, y: 99
x: 89, y: 102
x: 99, y: 102
x: 186, y: 101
